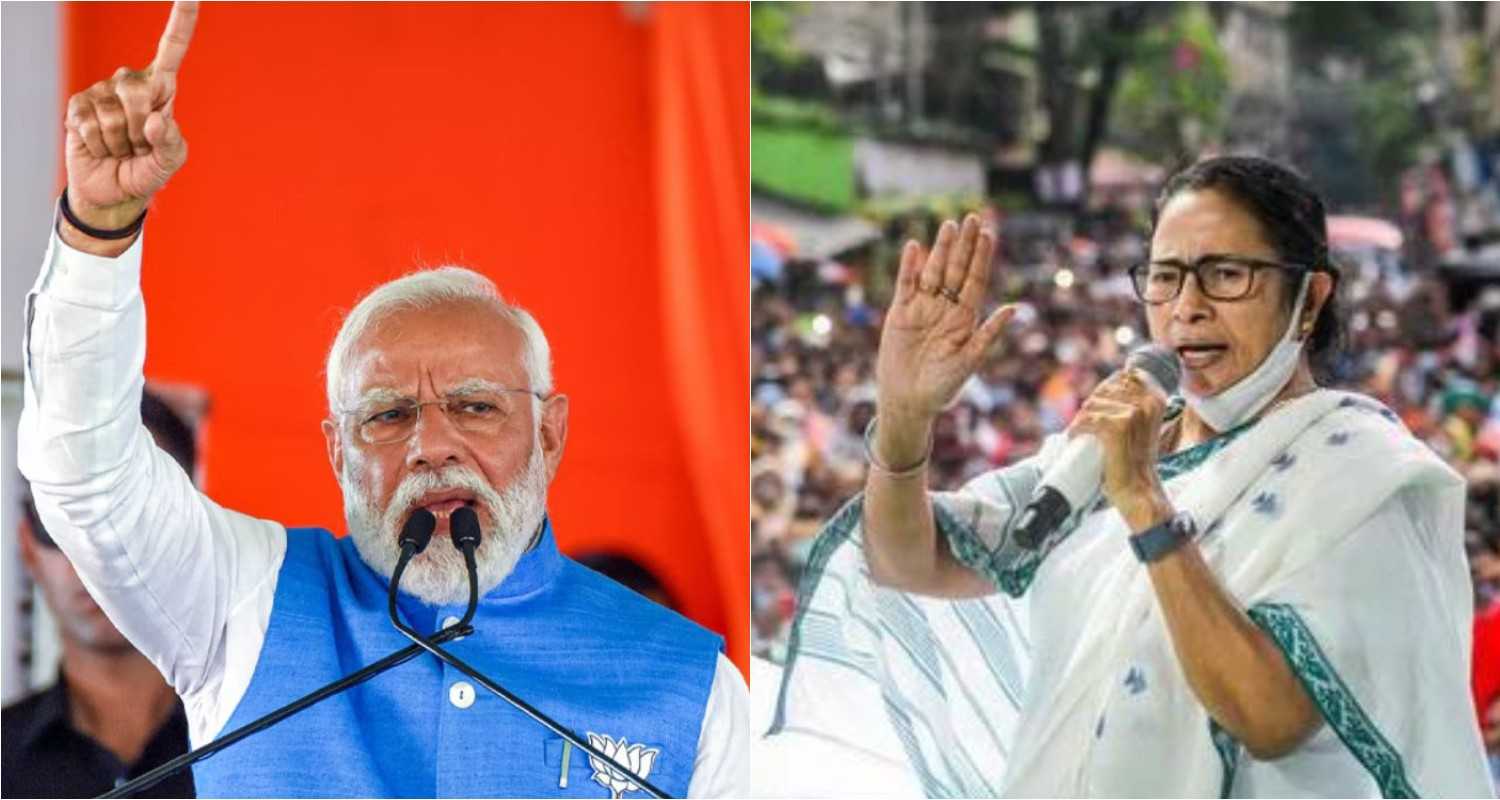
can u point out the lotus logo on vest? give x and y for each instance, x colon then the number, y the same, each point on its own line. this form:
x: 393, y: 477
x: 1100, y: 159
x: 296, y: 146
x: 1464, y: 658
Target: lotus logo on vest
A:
x: 638, y: 758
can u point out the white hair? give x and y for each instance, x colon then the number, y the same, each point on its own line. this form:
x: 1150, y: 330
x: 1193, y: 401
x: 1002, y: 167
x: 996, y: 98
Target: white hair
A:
x: 427, y: 288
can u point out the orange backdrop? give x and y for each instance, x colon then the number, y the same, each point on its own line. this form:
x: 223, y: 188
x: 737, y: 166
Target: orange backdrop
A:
x: 593, y: 160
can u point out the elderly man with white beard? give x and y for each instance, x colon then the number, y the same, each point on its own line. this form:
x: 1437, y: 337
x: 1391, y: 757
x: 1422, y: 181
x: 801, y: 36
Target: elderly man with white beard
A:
x: 440, y: 397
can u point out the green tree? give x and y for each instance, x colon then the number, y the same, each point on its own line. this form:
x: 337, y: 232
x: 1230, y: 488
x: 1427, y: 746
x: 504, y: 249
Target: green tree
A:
x: 771, y: 36
x: 1173, y: 94
x: 1083, y: 55
x: 1360, y: 70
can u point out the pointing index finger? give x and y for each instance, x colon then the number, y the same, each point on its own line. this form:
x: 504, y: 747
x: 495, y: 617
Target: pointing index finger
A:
x: 174, y: 40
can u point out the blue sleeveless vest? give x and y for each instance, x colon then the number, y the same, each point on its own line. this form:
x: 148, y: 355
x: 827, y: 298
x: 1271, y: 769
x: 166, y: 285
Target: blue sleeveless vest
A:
x: 596, y: 657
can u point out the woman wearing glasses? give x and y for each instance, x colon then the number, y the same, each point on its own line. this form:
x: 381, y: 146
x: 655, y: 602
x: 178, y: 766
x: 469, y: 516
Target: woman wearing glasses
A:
x: 1269, y: 597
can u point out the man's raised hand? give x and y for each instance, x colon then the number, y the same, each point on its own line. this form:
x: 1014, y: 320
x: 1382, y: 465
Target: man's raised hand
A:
x: 122, y: 141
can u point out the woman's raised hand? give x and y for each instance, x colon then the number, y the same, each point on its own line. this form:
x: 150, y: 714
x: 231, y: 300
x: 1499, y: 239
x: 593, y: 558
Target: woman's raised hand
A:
x: 933, y: 340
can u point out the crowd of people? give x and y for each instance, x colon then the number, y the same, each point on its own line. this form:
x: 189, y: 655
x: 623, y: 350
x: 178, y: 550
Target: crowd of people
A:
x: 1431, y: 354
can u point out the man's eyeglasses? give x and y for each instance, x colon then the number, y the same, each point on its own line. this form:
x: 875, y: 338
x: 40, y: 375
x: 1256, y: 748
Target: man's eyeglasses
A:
x: 1220, y: 277
x: 481, y: 413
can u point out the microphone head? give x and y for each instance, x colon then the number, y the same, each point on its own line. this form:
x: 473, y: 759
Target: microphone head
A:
x: 1158, y: 362
x: 464, y: 527
x: 418, y: 530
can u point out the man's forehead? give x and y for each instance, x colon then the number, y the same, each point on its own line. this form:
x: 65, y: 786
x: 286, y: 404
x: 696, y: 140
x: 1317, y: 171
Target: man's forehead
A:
x: 443, y: 348
x: 444, y: 373
x: 380, y: 390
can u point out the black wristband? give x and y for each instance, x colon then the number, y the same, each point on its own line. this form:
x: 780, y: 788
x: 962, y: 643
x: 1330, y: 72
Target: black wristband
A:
x: 1156, y: 542
x: 99, y: 233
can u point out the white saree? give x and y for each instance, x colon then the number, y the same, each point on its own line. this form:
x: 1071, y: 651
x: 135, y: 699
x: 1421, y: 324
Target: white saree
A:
x: 1338, y: 532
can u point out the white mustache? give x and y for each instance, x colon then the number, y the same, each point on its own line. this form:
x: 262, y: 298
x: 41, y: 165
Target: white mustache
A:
x: 508, y: 518
x: 418, y: 484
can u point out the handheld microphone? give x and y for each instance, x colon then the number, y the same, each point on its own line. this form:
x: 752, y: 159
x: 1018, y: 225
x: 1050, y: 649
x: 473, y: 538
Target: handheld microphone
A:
x: 463, y: 527
x: 415, y: 535
x: 1074, y: 478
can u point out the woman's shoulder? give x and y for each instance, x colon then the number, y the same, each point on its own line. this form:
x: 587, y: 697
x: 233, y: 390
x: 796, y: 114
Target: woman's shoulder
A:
x: 1347, y: 404
x: 1363, y: 448
x: 1368, y: 429
x: 1353, y: 419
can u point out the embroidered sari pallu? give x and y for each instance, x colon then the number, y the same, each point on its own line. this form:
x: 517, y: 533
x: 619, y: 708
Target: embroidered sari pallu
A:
x: 1338, y: 532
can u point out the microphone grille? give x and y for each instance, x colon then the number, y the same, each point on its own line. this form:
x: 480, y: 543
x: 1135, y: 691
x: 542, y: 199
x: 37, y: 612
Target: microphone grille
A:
x: 464, y: 525
x: 1158, y: 362
x: 418, y: 529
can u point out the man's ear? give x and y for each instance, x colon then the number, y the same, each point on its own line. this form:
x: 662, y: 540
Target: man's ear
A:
x: 554, y: 432
x: 332, y: 437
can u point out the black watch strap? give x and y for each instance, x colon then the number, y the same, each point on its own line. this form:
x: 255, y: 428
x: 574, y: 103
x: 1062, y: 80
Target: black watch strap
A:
x: 1153, y: 543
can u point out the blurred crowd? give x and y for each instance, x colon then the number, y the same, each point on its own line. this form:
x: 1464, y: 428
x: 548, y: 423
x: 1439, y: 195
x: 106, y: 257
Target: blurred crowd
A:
x: 1428, y: 351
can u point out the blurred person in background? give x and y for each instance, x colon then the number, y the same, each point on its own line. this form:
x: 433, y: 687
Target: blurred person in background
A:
x: 1283, y: 531
x: 110, y: 716
x: 628, y: 572
x: 773, y: 601
x: 440, y: 398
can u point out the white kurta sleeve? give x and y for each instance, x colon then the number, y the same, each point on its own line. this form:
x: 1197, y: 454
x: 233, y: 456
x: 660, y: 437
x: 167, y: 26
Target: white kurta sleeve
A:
x: 188, y: 582
x: 722, y: 766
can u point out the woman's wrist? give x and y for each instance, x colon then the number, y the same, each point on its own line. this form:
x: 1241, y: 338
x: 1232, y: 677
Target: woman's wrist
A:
x: 901, y: 441
x: 1151, y: 508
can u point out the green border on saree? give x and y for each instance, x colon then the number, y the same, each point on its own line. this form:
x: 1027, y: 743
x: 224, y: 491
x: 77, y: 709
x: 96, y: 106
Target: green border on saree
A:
x: 1229, y: 755
x: 1334, y: 699
x: 834, y: 534
x: 1015, y: 578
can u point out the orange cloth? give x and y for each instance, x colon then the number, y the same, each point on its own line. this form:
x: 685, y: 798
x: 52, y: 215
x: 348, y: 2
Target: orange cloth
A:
x: 592, y: 159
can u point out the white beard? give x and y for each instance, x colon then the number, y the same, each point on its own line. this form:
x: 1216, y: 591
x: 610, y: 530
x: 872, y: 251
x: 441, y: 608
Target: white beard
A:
x: 438, y: 574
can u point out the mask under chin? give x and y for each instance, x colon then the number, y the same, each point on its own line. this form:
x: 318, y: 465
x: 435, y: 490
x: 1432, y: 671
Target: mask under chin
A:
x: 1240, y: 402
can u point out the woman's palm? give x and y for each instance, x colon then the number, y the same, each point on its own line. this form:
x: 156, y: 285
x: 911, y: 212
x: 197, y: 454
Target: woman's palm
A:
x: 932, y: 341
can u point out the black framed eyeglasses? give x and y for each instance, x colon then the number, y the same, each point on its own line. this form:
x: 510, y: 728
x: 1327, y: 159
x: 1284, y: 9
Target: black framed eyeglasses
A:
x: 1220, y: 277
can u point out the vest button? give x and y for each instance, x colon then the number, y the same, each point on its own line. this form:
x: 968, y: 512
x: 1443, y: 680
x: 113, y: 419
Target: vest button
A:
x: 461, y: 694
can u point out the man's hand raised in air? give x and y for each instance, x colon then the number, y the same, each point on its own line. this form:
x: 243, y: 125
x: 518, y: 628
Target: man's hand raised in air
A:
x: 122, y: 142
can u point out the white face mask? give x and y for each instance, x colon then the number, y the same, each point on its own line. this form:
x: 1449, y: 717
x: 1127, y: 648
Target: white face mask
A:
x: 1245, y: 399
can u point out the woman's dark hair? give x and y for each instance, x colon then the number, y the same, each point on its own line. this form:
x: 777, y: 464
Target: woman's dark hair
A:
x: 1291, y: 215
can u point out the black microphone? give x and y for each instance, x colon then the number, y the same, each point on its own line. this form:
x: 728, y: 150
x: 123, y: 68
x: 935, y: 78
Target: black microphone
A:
x: 414, y: 537
x: 1074, y: 477
x: 463, y: 527
x: 417, y: 532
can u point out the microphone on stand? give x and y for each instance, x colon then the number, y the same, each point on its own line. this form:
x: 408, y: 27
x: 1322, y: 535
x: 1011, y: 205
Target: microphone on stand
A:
x: 415, y: 534
x: 1074, y: 477
x: 465, y: 532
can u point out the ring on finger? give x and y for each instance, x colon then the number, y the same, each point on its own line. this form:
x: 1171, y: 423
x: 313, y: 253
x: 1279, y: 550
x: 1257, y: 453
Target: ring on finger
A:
x: 950, y: 294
